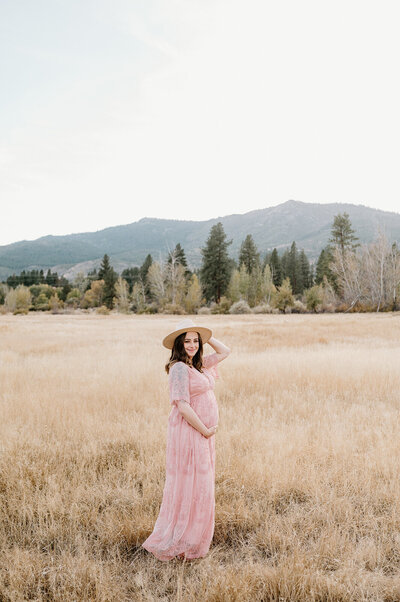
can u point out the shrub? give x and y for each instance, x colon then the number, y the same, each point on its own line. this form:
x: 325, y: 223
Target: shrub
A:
x: 299, y: 307
x: 214, y: 307
x: 3, y: 292
x: 18, y: 300
x: 173, y: 308
x: 222, y: 307
x: 205, y: 311
x: 88, y: 300
x: 55, y: 304
x: 93, y: 297
x: 102, y: 310
x: 263, y: 308
x: 284, y: 297
x: 10, y: 301
x: 314, y: 298
x: 151, y: 308
x: 41, y: 302
x: 73, y: 298
x: 43, y: 290
x: 138, y: 298
x: 121, y: 299
x: 240, y: 307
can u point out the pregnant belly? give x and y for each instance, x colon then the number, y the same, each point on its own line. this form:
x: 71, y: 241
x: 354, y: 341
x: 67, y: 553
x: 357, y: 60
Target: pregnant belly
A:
x: 206, y: 408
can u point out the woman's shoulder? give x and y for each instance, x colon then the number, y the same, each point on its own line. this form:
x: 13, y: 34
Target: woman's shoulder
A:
x: 178, y: 367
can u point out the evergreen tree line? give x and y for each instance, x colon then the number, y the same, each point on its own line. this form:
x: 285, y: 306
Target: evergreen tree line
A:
x: 347, y: 276
x: 27, y: 278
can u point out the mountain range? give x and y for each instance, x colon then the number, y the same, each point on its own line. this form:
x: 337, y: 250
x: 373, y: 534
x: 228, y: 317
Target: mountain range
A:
x: 309, y: 224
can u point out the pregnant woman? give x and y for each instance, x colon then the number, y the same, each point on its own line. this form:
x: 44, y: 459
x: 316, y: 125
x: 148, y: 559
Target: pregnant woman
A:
x: 185, y: 524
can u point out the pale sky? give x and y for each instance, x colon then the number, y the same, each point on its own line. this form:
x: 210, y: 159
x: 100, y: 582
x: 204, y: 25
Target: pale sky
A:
x: 114, y: 110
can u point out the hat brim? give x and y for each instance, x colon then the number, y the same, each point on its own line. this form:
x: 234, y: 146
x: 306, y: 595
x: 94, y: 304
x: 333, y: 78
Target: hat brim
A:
x: 205, y: 334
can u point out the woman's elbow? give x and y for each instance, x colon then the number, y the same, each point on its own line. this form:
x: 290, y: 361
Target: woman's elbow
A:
x: 224, y: 354
x: 182, y: 406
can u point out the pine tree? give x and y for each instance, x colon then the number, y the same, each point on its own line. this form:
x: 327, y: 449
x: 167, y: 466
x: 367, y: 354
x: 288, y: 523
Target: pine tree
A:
x: 249, y: 254
x: 107, y: 273
x: 266, y: 259
x: 343, y: 234
x: 312, y: 276
x: 51, y: 278
x: 216, y: 265
x: 305, y: 271
x: 179, y: 255
x: 293, y: 271
x: 323, y: 267
x: 104, y: 267
x: 63, y: 294
x: 284, y: 264
x: 255, y: 290
x: 12, y: 281
x: 143, y: 270
x: 91, y: 276
x: 109, y: 288
x: 276, y: 268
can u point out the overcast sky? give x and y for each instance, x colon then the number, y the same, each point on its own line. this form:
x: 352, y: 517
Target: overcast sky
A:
x: 113, y: 110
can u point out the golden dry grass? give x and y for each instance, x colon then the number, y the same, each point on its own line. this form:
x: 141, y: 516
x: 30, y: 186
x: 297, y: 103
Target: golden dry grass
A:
x: 308, y: 460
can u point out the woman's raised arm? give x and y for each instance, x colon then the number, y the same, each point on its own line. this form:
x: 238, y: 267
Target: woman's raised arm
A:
x: 220, y: 349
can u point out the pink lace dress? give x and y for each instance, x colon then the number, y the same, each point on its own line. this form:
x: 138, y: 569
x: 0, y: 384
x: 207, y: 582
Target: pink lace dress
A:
x: 185, y: 524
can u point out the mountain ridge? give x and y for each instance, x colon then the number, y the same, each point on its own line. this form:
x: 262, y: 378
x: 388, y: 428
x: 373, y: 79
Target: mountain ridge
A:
x: 309, y: 224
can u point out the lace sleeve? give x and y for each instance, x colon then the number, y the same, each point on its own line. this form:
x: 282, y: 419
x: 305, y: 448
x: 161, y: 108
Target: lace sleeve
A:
x: 179, y: 383
x: 210, y: 363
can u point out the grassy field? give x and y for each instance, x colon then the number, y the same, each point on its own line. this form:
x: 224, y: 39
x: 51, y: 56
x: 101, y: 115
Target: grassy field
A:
x: 308, y: 459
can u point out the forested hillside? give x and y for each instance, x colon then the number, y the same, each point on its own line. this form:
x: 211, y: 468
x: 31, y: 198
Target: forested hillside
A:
x: 307, y: 223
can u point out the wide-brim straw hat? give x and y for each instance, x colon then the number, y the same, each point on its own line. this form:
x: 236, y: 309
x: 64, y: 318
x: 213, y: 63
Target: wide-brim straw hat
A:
x: 186, y: 325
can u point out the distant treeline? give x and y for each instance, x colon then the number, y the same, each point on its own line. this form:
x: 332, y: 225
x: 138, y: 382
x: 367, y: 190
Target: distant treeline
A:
x: 28, y: 278
x: 346, y: 277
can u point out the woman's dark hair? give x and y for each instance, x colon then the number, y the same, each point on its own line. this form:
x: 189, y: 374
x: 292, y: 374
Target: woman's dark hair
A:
x: 178, y: 354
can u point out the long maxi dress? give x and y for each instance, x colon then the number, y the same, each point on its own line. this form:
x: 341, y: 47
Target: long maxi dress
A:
x: 185, y: 524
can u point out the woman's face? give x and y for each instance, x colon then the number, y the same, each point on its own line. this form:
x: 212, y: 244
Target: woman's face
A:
x: 191, y: 343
